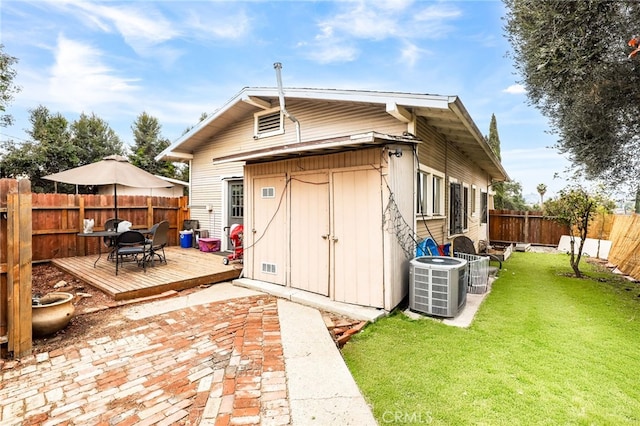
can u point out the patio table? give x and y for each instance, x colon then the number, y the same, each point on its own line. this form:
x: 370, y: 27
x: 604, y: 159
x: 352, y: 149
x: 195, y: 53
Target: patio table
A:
x: 100, y: 234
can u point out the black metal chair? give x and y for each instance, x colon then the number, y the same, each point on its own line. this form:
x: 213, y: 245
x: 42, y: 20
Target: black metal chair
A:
x: 158, y: 241
x: 110, y: 242
x: 131, y: 245
x: 463, y: 244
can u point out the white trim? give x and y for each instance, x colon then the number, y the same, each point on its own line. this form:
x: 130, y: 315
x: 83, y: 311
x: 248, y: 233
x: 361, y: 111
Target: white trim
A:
x: 430, y: 174
x: 256, y: 120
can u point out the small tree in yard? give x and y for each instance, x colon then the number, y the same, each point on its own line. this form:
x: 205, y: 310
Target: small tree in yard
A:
x: 575, y: 208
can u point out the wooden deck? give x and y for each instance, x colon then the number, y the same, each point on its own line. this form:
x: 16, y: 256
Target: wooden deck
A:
x: 185, y: 268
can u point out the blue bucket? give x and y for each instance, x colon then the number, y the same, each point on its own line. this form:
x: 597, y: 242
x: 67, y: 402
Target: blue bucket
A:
x: 186, y: 239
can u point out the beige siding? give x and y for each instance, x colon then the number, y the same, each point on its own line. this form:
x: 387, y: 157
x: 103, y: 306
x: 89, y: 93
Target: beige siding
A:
x: 439, y: 155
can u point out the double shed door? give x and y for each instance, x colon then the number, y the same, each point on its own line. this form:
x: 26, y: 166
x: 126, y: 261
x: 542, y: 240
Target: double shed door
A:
x: 336, y: 235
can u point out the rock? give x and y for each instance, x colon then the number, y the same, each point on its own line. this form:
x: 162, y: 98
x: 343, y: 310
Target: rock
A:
x: 59, y: 284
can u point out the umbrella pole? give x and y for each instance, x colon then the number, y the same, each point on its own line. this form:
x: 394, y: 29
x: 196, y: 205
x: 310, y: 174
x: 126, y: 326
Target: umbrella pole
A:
x: 115, y: 199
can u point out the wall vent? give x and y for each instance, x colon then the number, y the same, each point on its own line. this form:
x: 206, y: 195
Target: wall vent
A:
x: 268, y: 192
x: 269, y: 268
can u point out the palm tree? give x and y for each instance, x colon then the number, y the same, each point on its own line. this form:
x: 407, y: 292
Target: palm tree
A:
x: 542, y: 189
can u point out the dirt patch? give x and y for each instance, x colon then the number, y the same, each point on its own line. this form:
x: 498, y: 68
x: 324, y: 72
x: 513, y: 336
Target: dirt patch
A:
x: 95, y: 312
x: 98, y: 315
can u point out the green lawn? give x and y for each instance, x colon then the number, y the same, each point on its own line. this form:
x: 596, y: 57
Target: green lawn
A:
x: 544, y: 348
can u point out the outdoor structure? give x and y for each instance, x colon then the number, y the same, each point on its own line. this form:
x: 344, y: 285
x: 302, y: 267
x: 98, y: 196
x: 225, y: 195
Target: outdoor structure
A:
x: 334, y: 187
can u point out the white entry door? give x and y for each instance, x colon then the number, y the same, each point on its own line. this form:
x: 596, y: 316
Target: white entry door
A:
x: 310, y: 232
x: 356, y: 224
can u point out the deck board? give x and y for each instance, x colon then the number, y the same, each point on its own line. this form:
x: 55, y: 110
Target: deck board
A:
x: 185, y: 268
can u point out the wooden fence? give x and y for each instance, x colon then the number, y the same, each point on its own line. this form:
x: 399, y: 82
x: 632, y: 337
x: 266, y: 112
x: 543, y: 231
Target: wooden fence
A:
x: 15, y: 268
x: 625, y: 244
x: 58, y: 218
x: 512, y: 226
x: 40, y: 227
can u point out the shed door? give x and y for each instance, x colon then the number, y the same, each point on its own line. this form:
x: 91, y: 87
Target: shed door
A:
x: 269, y: 231
x: 357, y: 237
x: 310, y: 232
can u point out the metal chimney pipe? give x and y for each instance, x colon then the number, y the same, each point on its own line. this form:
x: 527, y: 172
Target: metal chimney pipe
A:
x: 278, y: 67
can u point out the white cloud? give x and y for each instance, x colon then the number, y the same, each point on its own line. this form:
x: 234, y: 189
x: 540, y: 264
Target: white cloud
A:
x: 515, y: 89
x: 332, y: 52
x: 229, y: 26
x: 80, y: 80
x: 140, y: 25
x: 411, y: 53
x: 339, y: 34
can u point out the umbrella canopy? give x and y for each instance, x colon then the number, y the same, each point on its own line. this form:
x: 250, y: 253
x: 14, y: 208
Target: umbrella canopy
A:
x: 112, y: 170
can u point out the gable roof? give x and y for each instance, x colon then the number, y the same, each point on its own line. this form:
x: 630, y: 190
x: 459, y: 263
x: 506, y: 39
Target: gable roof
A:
x: 446, y: 114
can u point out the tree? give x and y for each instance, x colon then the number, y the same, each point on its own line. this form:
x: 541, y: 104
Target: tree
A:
x: 148, y: 143
x: 494, y: 140
x: 7, y: 86
x: 575, y: 207
x: 56, y: 146
x: 95, y: 139
x: 508, y: 196
x: 542, y: 189
x: 572, y: 56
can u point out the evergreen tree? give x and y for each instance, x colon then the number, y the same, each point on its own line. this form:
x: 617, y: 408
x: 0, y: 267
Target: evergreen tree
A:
x: 494, y: 140
x: 148, y: 143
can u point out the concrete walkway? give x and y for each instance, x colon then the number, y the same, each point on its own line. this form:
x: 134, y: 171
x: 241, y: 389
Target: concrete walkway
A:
x: 224, y: 355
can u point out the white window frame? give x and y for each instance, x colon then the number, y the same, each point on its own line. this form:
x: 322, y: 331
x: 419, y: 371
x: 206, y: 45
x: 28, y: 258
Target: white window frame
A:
x: 425, y: 179
x: 474, y: 201
x: 256, y: 120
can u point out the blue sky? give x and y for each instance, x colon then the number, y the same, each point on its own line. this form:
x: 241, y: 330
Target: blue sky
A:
x: 178, y: 59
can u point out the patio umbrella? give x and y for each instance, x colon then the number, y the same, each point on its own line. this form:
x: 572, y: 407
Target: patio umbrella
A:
x: 112, y: 170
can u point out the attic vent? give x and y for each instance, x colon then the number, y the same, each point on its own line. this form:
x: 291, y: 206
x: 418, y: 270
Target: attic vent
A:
x: 268, y: 192
x: 269, y: 123
x: 269, y: 268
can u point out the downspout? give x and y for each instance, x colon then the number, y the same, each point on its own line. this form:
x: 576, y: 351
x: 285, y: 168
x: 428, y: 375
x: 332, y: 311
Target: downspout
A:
x: 278, y: 67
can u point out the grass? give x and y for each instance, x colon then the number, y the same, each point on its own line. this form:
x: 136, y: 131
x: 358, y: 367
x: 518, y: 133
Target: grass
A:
x: 544, y: 349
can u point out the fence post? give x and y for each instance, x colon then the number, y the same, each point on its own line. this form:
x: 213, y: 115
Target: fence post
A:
x: 6, y: 185
x: 19, y: 257
x: 526, y: 226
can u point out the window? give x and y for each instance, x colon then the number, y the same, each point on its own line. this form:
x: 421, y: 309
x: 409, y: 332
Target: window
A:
x: 483, y: 207
x: 474, y: 204
x: 268, y: 123
x: 456, y: 213
x: 429, y: 193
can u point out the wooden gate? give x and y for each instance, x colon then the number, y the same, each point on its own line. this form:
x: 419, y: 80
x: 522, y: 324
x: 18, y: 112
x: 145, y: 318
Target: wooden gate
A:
x: 15, y: 268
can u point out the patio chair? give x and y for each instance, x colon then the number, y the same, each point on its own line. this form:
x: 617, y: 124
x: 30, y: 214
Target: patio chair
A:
x: 158, y: 241
x: 463, y: 244
x: 130, y: 245
x: 110, y: 242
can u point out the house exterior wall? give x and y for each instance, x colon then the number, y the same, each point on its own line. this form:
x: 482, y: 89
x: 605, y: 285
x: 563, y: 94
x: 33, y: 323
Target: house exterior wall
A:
x: 268, y: 222
x: 435, y: 153
x: 324, y: 120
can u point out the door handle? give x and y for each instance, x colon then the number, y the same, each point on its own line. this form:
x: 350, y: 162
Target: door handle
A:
x: 324, y: 237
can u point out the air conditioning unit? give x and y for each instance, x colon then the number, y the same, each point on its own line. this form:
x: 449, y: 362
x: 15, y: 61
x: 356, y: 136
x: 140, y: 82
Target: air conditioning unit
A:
x: 438, y: 285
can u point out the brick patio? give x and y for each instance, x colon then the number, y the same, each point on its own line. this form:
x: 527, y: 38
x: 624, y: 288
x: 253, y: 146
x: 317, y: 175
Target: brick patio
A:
x: 213, y: 364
